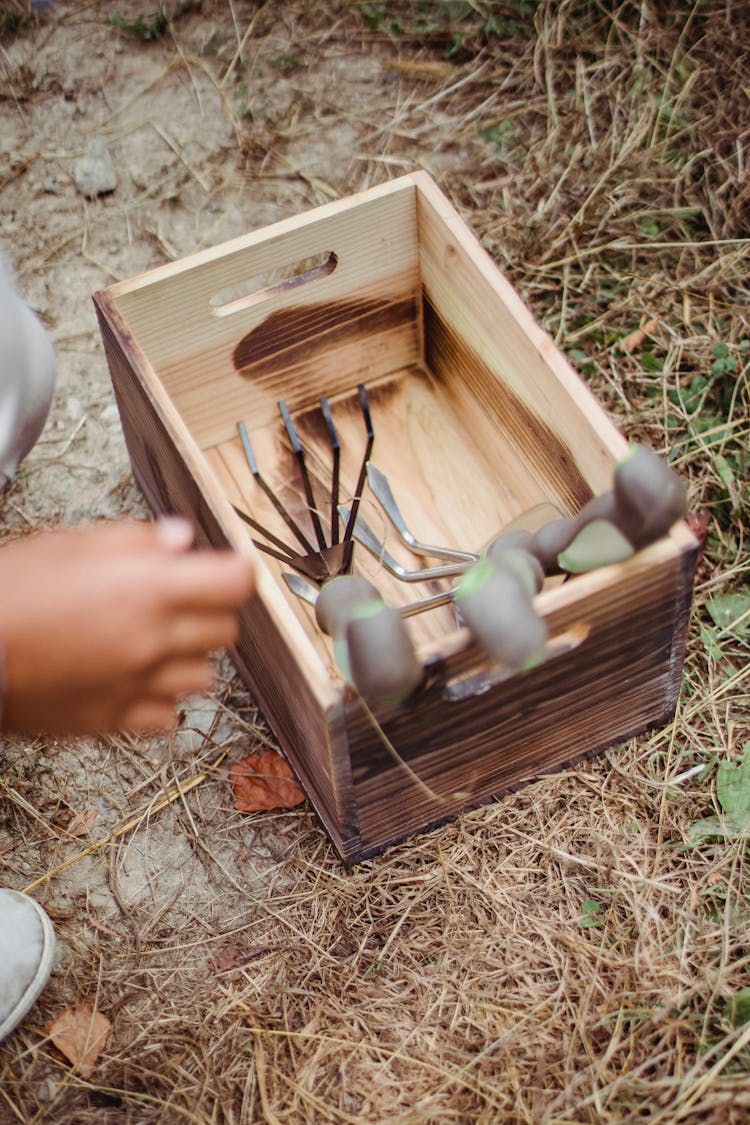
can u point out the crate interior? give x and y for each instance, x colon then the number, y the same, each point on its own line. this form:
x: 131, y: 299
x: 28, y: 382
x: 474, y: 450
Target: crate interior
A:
x: 473, y: 426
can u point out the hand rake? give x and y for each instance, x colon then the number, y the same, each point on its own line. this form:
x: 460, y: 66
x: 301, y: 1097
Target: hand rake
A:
x: 330, y: 557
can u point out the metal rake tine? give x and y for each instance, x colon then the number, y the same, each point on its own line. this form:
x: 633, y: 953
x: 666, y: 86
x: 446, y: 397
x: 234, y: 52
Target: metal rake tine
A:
x: 290, y: 561
x: 299, y: 453
x: 253, y: 465
x: 288, y: 553
x: 365, y: 407
x: 325, y: 408
x: 311, y: 566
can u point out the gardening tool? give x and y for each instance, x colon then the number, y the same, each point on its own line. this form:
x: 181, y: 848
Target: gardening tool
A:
x: 646, y: 499
x: 371, y: 646
x: 364, y: 534
x: 527, y: 521
x: 495, y: 601
x: 308, y: 592
x: 381, y: 489
x: 494, y: 597
x: 330, y: 557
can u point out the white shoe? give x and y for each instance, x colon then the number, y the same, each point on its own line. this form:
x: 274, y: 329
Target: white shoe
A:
x: 27, y: 948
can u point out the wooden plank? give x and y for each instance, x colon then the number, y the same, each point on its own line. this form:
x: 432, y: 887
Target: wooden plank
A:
x: 316, y: 352
x: 357, y: 321
x: 373, y: 235
x: 503, y: 369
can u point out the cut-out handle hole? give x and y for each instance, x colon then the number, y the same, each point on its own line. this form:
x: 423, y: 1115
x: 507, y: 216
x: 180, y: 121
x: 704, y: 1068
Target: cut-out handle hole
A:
x: 477, y: 683
x: 253, y: 290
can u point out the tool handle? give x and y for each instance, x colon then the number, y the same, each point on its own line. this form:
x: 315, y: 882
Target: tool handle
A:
x: 647, y: 498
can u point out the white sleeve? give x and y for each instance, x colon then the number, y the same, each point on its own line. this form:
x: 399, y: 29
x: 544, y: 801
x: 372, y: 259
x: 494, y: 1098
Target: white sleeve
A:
x: 27, y: 377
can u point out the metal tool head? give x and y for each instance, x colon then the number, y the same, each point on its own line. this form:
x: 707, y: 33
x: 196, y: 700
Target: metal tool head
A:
x: 308, y: 592
x: 381, y: 489
x: 364, y: 534
x: 335, y: 555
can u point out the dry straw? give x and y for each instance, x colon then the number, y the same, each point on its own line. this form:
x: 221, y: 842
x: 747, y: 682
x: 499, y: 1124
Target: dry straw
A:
x: 572, y: 953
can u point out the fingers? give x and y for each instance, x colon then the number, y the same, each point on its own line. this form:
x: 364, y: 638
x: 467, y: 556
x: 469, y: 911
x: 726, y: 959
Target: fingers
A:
x: 147, y: 716
x: 190, y: 676
x: 174, y: 533
x: 152, y: 705
x: 106, y: 627
x: 211, y: 579
x: 155, y: 706
x: 195, y: 634
x: 199, y: 579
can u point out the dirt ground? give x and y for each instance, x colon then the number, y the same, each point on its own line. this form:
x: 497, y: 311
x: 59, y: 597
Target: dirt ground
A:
x: 247, y: 975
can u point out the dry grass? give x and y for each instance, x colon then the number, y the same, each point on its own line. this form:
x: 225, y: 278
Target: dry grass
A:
x: 600, y: 151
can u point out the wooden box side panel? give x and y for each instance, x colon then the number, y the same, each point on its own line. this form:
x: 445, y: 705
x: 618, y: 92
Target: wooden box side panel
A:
x: 501, y: 369
x: 318, y: 332
x: 307, y: 731
x: 622, y: 678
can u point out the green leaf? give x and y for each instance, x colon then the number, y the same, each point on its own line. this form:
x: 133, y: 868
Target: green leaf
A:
x: 590, y: 914
x: 709, y: 638
x: 146, y: 27
x: 733, y: 793
x: 725, y: 472
x: 731, y: 612
x: 702, y: 830
x: 689, y: 398
x: 504, y: 135
x: 723, y: 362
x: 724, y: 366
x: 374, y: 15
x: 737, y: 1010
x: 650, y: 362
x: 733, y: 826
x: 733, y: 786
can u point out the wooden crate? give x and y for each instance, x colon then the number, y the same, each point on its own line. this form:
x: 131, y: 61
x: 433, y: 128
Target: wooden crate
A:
x: 477, y: 418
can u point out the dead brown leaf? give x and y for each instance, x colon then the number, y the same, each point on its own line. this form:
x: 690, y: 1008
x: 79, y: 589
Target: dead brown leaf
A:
x: 81, y: 823
x: 264, y: 780
x: 635, y: 338
x: 234, y: 955
x: 80, y: 1033
x: 229, y: 957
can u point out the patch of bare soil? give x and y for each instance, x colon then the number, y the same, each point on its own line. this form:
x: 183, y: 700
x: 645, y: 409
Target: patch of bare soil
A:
x: 567, y: 954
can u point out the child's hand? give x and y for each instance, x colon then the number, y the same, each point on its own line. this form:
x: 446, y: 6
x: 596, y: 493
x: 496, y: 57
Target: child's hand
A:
x: 105, y: 628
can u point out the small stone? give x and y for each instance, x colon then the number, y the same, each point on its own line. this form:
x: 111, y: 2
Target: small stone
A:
x: 74, y: 408
x: 47, y: 1090
x: 111, y: 415
x: 202, y: 718
x: 94, y: 173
